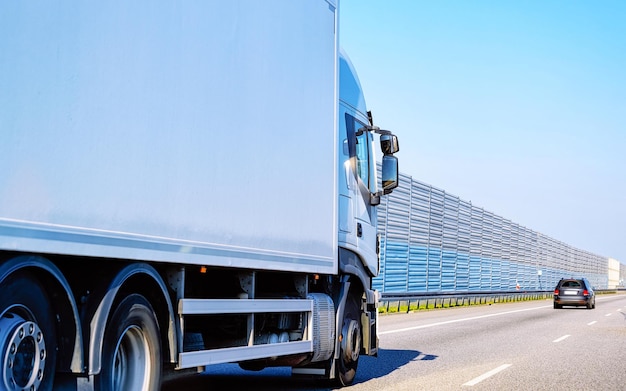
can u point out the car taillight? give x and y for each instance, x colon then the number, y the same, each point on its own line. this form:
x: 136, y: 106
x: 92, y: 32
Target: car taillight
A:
x: 556, y: 291
x: 585, y: 293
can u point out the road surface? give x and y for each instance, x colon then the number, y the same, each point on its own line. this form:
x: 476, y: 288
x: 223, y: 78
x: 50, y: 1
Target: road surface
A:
x: 509, y: 346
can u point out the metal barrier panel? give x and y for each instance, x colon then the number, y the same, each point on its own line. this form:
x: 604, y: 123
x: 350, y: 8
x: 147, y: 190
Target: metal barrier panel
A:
x: 432, y: 241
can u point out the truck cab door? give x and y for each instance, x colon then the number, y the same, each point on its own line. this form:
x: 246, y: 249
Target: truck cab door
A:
x: 364, y: 184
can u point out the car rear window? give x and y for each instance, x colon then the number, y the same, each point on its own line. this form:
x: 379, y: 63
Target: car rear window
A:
x: 571, y: 284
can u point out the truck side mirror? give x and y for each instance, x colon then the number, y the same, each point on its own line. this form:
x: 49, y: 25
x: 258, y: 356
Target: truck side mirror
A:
x: 389, y: 144
x: 389, y: 173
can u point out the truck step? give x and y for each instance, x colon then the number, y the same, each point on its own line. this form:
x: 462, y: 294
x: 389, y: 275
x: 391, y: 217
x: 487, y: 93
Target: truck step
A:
x: 241, y: 353
x: 242, y: 306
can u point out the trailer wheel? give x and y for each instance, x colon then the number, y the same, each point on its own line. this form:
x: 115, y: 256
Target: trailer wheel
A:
x: 27, y: 335
x: 350, y: 345
x: 131, y: 357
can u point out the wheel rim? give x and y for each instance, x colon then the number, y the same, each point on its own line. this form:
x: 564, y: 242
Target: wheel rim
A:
x: 131, y: 366
x: 23, y: 354
x: 351, y: 341
x: 350, y: 344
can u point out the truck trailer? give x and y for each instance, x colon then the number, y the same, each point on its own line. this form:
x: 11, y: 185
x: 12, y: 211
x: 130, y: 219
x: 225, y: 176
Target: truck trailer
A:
x: 184, y: 184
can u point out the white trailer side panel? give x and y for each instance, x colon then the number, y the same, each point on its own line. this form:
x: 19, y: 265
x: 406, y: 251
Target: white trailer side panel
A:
x: 199, y: 132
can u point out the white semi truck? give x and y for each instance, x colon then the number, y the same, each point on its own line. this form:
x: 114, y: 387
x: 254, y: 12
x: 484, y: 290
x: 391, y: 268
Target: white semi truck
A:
x: 183, y: 184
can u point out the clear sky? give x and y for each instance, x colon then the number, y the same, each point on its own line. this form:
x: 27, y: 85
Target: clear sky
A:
x: 517, y: 106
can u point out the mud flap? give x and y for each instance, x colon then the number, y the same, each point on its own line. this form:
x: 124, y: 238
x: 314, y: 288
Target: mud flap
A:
x: 369, y: 325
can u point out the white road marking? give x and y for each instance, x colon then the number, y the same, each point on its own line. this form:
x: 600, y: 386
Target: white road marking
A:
x: 484, y: 376
x: 609, y: 314
x: 424, y: 326
x: 590, y: 323
x: 562, y: 338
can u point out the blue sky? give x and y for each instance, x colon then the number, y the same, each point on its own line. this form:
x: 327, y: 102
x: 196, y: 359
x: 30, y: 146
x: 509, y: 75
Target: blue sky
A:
x: 517, y: 106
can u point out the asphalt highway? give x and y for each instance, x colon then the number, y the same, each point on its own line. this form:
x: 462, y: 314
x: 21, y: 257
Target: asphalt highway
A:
x: 511, y: 346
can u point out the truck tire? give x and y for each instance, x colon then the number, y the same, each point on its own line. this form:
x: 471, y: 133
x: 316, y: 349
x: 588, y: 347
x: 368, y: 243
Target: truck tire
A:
x: 131, y: 354
x: 28, y: 344
x: 350, y: 345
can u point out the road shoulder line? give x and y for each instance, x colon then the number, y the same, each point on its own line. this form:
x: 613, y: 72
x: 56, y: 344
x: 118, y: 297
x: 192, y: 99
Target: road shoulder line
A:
x: 486, y: 375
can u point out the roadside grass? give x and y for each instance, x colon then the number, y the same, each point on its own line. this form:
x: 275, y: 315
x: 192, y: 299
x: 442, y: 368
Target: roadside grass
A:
x: 405, y: 306
x: 425, y: 304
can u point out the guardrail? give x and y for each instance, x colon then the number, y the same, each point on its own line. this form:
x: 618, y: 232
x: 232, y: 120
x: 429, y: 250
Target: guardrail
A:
x: 428, y: 300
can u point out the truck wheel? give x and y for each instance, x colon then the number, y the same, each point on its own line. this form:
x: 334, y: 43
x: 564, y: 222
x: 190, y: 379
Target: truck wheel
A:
x: 131, y: 356
x: 27, y: 335
x: 350, y: 345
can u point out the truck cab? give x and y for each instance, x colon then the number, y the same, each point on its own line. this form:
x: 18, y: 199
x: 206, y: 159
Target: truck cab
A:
x: 359, y: 192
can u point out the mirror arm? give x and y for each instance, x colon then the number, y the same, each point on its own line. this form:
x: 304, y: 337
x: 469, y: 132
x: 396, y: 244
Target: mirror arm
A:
x: 375, y: 198
x: 383, y: 131
x: 375, y: 129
